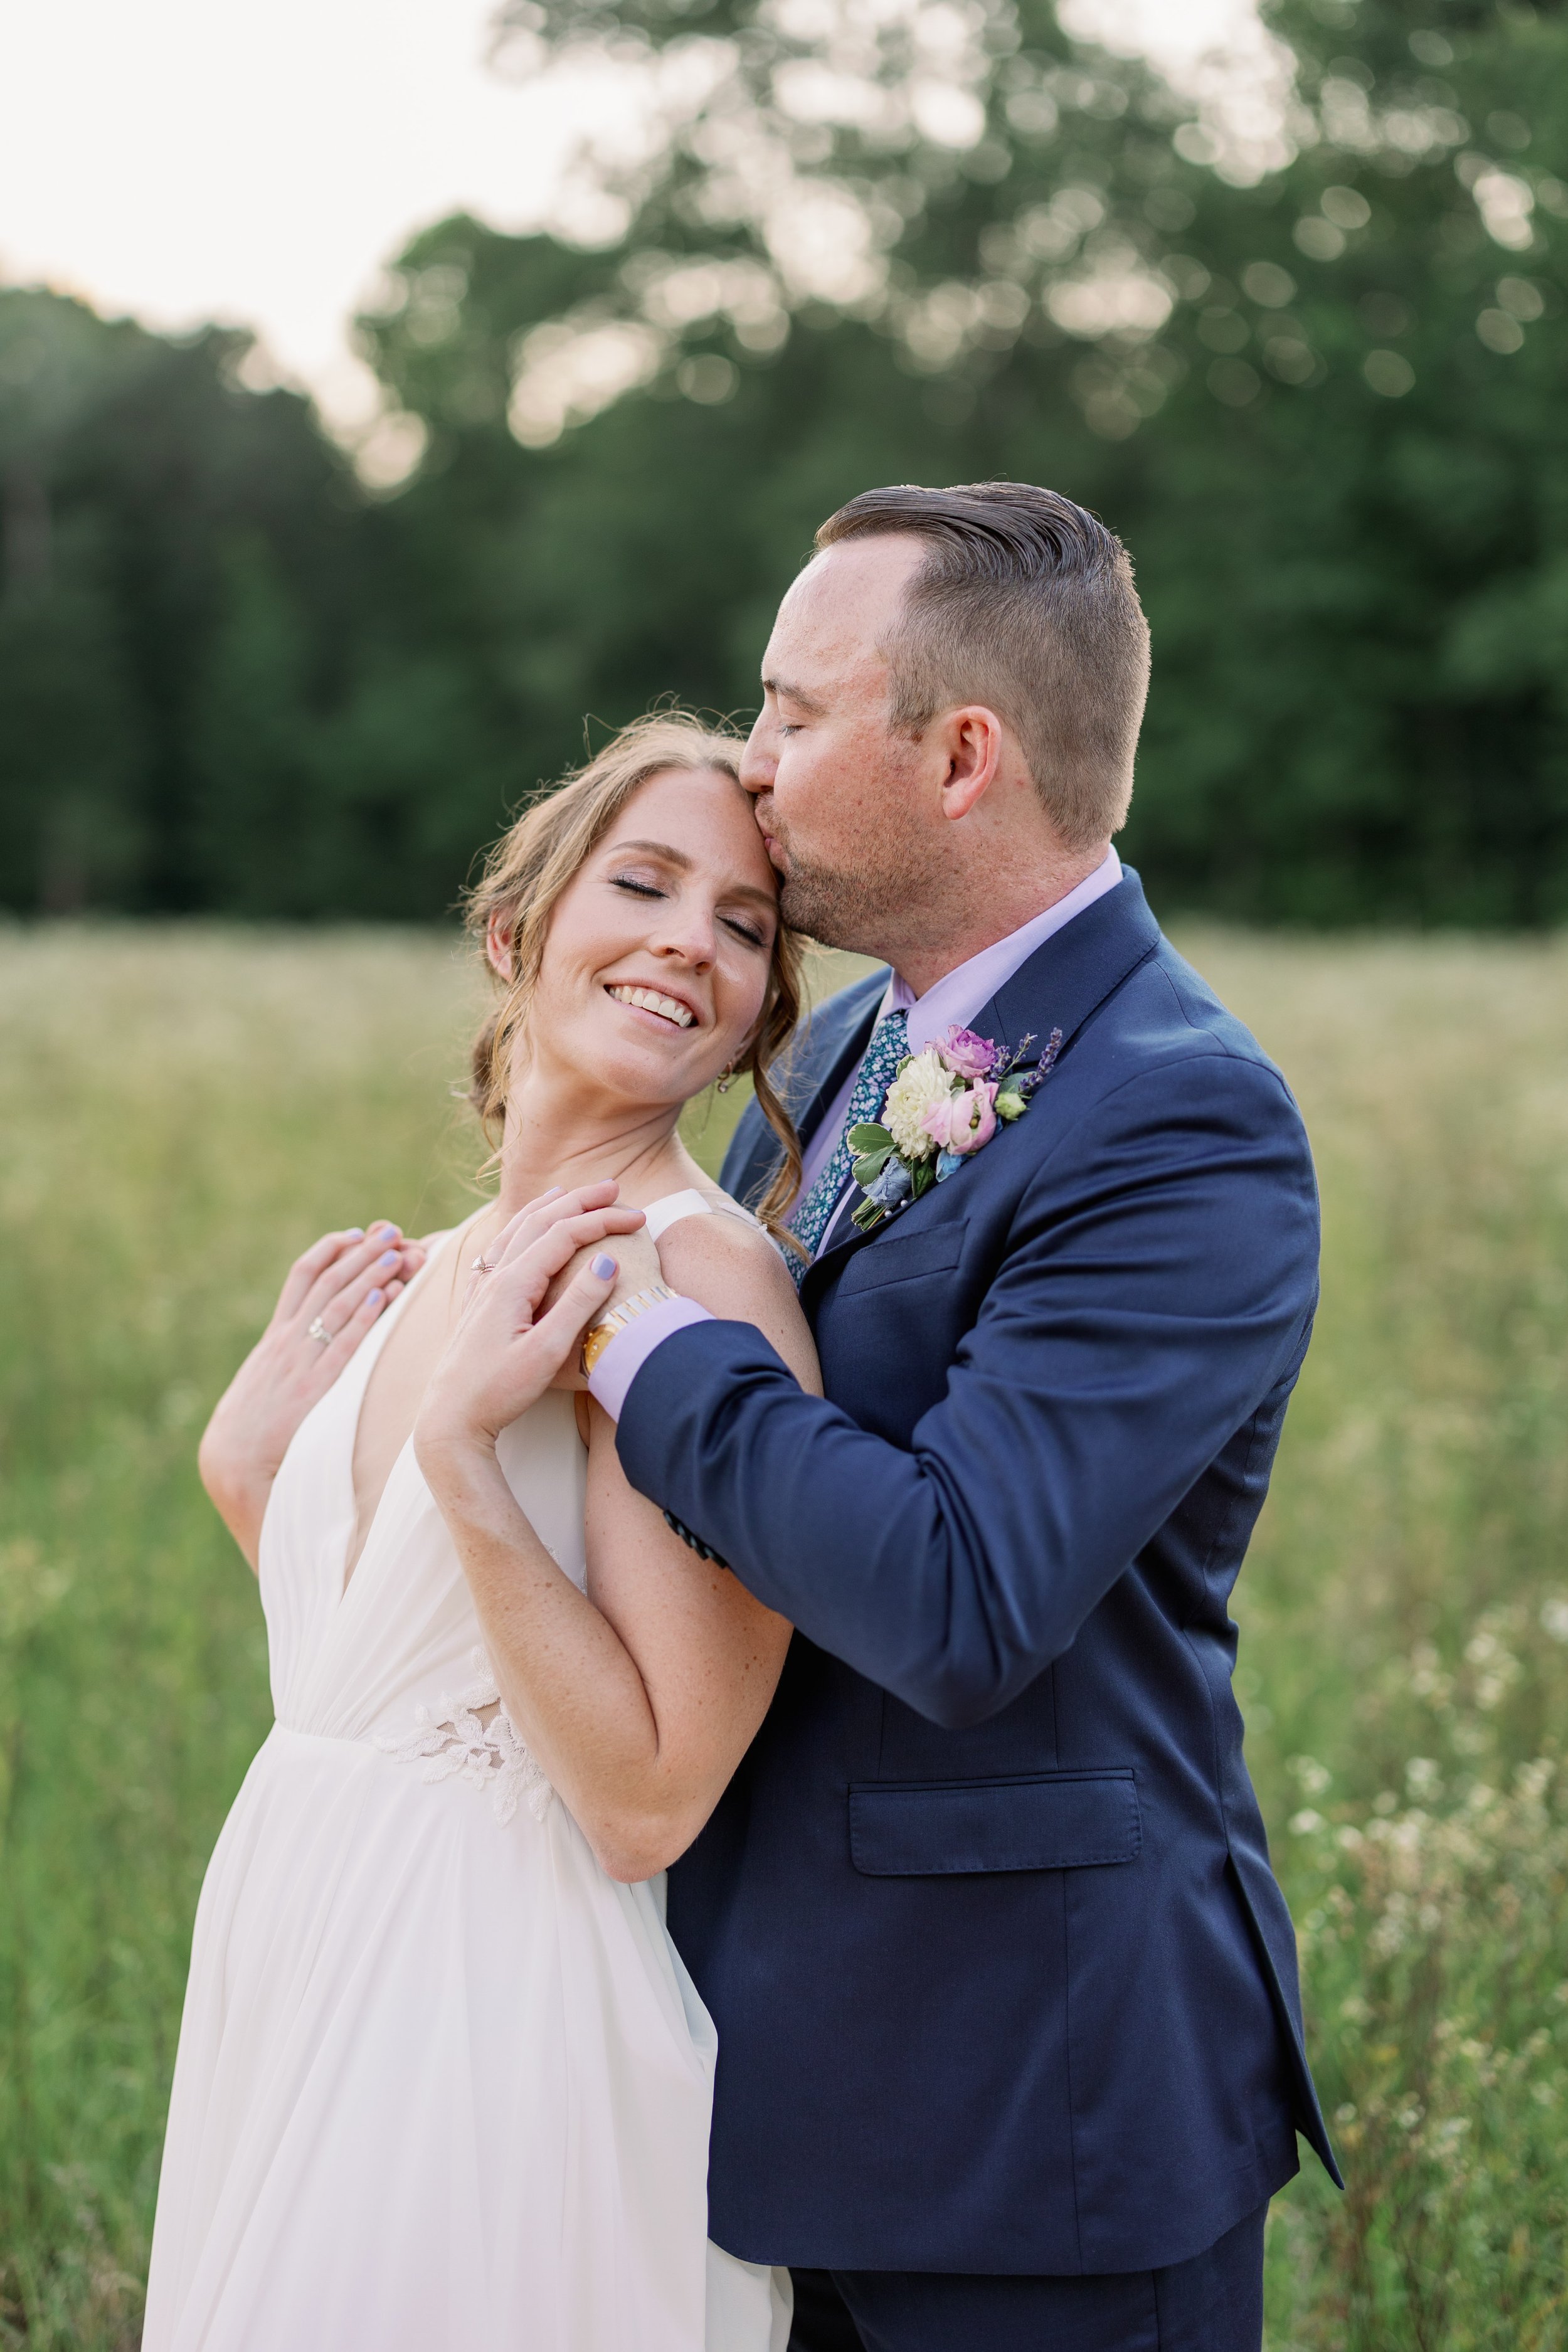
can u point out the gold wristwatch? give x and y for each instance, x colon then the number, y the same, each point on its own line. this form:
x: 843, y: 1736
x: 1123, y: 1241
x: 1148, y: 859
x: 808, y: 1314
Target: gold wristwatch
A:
x: 598, y: 1336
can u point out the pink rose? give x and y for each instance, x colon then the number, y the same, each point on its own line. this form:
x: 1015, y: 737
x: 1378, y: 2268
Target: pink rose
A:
x: 967, y: 1056
x: 964, y: 1121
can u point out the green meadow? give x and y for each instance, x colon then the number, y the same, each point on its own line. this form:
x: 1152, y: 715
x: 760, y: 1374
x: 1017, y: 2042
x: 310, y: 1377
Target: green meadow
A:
x: 181, y: 1109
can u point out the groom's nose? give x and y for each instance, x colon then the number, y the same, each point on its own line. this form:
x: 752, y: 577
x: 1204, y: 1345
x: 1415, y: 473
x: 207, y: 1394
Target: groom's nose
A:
x: 759, y: 760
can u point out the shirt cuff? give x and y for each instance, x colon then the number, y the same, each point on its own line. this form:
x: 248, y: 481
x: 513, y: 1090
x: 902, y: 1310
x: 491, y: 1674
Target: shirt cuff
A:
x: 628, y: 1351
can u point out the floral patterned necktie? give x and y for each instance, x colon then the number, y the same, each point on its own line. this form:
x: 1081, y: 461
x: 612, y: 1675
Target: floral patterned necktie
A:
x: 890, y: 1043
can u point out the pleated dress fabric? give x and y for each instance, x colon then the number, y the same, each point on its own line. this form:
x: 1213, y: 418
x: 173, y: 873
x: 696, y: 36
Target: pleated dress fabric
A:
x: 441, y: 2082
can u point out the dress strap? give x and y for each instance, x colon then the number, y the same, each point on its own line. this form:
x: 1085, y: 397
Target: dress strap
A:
x: 662, y: 1215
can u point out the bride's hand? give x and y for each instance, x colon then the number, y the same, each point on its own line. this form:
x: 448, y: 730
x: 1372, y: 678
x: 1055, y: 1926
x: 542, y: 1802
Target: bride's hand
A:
x: 512, y: 1339
x: 331, y: 1296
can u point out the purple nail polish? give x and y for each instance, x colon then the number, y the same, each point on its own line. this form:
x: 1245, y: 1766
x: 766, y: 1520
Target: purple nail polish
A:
x: 356, y: 1233
x: 605, y: 1268
x: 375, y: 1297
x: 387, y: 1257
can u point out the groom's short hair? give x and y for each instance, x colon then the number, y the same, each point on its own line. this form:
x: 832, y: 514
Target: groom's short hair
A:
x: 1025, y: 603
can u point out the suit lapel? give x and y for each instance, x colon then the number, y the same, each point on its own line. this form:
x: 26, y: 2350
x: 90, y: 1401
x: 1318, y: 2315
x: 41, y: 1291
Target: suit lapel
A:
x: 1059, y: 986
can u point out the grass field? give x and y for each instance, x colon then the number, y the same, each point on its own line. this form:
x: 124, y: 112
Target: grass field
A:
x: 181, y: 1109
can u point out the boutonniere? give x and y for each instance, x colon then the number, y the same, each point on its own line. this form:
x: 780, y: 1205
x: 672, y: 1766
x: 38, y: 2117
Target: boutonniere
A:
x: 944, y: 1106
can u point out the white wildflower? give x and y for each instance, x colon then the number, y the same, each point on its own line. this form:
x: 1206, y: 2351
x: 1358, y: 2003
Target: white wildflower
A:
x: 924, y: 1079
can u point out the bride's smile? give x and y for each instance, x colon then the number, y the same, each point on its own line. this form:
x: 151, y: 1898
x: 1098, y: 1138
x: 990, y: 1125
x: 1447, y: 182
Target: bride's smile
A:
x: 665, y: 1008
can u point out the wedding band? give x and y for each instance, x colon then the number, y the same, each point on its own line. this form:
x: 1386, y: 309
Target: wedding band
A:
x: 319, y: 1333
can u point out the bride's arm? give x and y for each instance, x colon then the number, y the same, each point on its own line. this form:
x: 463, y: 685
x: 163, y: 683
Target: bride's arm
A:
x: 640, y: 1700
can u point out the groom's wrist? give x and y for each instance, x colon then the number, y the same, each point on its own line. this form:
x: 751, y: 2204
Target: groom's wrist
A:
x: 618, y: 1364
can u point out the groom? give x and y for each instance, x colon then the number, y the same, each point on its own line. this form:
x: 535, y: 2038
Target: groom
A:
x: 1010, y: 2038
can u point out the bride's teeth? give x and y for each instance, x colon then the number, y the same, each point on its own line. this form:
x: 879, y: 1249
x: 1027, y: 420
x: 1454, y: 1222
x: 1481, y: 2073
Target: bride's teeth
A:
x: 650, y: 1000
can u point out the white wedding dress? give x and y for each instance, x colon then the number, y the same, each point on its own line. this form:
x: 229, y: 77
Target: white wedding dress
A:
x: 441, y: 2083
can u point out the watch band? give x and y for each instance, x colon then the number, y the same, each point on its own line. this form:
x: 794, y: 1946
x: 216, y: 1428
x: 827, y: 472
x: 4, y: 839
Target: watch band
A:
x: 598, y: 1336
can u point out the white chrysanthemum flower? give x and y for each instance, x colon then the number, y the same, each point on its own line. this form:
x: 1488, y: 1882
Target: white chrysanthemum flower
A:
x: 923, y: 1080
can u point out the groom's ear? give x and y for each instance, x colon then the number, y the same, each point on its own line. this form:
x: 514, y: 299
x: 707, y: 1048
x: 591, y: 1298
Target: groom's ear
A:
x: 973, y: 741
x: 497, y: 943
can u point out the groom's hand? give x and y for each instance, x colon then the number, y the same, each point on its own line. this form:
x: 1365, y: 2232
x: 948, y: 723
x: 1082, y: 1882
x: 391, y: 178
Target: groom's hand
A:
x: 637, y: 1259
x: 638, y: 1256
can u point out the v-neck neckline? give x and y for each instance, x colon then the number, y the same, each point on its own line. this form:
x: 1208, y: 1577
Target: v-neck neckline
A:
x: 369, y: 1357
x: 364, y: 1364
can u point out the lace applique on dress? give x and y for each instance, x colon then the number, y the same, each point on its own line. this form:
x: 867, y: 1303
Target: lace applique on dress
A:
x: 453, y: 1744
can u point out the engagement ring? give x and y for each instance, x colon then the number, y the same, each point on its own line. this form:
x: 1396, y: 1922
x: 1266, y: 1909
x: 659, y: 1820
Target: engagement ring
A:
x: 318, y: 1332
x: 481, y: 1265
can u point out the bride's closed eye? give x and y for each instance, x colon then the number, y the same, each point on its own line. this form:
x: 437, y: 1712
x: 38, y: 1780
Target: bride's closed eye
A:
x: 743, y: 931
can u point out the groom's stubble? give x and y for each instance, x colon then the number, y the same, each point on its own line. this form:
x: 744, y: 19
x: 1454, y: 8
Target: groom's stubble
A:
x: 878, y: 891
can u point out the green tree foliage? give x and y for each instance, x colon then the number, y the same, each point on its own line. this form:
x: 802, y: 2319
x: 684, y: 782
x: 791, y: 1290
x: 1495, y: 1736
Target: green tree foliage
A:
x: 1309, y: 365
x: 142, y: 487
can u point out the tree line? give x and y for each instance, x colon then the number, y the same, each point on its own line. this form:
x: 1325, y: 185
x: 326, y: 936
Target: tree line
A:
x: 1309, y: 365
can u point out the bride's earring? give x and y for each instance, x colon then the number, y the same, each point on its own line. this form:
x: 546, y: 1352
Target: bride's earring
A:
x: 726, y: 1078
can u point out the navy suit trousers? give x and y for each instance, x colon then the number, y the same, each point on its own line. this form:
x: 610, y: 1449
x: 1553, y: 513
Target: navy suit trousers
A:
x: 1212, y: 2304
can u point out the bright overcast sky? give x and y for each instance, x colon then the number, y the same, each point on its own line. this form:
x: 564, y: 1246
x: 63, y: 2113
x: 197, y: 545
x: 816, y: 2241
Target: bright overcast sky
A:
x: 185, y: 160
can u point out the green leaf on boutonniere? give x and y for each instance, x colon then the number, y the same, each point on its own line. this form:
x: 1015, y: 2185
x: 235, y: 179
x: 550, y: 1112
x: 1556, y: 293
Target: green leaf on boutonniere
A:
x: 868, y: 1136
x: 867, y: 1169
x: 924, y: 1175
x: 867, y: 1216
x: 1010, y: 1104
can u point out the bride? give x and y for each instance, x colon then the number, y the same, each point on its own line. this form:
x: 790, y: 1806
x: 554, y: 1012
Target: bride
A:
x: 442, y: 2080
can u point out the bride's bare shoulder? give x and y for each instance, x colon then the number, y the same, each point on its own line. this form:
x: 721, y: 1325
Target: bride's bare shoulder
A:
x: 729, y: 1265
x: 726, y: 1254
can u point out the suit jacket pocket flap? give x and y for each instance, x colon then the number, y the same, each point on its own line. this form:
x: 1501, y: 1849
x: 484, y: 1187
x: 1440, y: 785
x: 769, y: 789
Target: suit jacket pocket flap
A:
x: 897, y: 1257
x: 1051, y: 1821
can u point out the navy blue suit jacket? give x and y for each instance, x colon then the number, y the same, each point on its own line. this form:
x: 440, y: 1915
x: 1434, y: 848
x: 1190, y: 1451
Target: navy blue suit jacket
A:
x: 1002, y: 1976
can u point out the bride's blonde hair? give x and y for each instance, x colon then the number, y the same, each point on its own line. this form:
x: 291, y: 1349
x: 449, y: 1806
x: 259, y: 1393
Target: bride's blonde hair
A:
x: 532, y: 864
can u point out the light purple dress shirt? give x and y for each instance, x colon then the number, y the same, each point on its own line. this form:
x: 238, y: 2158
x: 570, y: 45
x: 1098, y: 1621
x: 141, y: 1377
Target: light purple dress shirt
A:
x: 952, y: 1003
